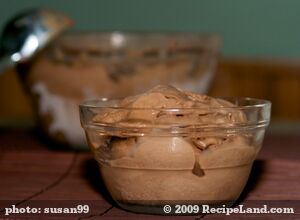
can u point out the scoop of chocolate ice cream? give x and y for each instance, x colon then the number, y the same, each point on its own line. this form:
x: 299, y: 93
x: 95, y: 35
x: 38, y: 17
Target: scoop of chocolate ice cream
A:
x: 194, y: 160
x: 152, y: 107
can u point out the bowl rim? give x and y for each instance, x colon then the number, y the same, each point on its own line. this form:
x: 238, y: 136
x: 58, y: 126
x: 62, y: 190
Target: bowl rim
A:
x: 144, y: 33
x: 258, y: 103
x: 207, y: 41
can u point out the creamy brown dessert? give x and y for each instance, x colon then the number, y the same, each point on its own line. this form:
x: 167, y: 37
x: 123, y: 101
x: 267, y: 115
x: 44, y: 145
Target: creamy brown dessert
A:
x: 151, y: 152
x: 78, y: 68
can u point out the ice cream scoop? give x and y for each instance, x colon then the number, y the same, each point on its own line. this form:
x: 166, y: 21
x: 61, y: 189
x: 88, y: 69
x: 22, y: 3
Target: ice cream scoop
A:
x: 27, y: 33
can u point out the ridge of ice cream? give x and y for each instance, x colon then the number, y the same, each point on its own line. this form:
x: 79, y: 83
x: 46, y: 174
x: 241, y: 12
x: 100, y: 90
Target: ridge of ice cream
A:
x: 167, y: 145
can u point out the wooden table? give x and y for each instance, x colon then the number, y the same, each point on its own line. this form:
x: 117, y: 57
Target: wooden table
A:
x: 33, y: 174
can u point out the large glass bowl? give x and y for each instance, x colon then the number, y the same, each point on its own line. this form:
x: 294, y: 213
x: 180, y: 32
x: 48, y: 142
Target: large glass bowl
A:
x: 85, y: 65
x: 146, y: 166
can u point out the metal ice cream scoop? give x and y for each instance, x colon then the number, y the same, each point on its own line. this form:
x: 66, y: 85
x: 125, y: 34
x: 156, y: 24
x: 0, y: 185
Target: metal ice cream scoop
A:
x: 27, y: 33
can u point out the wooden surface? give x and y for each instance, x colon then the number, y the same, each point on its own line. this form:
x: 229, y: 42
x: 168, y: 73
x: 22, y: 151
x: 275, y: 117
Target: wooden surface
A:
x: 33, y: 174
x: 271, y: 79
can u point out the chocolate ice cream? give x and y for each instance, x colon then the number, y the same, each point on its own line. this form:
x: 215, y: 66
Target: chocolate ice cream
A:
x: 167, y: 145
x: 63, y: 76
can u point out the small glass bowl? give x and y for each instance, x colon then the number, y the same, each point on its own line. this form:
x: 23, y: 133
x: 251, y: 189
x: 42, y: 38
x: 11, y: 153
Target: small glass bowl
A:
x: 148, y: 165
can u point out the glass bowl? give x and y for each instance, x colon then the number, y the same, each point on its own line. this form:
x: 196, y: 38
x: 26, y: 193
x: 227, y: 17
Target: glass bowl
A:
x: 147, y: 165
x: 85, y: 65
